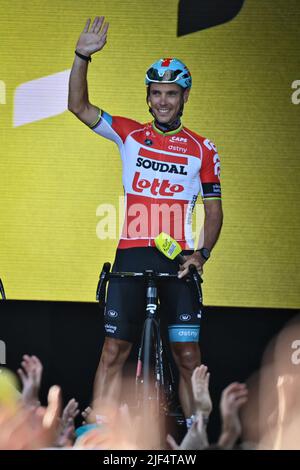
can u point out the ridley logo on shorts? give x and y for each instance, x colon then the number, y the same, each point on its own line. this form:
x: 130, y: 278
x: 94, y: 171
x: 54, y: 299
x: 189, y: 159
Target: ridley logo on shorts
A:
x: 157, y: 187
x: 112, y: 313
x: 185, y: 317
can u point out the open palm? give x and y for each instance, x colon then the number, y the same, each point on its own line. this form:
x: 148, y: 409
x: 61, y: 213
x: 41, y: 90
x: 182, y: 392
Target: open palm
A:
x: 93, y: 38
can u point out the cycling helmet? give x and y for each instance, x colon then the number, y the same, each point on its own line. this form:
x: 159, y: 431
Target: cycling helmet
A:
x: 169, y: 71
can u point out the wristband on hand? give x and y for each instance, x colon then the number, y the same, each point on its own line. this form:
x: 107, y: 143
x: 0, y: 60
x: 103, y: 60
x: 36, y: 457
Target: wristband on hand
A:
x: 84, y: 57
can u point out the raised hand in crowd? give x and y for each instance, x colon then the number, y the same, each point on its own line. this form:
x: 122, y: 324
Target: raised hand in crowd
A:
x: 123, y: 432
x: 89, y: 416
x: 200, y: 384
x: 30, y: 374
x: 196, y: 437
x: 120, y: 433
x: 30, y: 428
x: 233, y: 398
x: 66, y: 435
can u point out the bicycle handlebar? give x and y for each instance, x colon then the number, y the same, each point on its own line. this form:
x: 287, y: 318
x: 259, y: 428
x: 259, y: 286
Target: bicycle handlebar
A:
x: 105, y: 275
x: 145, y: 275
x: 102, y: 283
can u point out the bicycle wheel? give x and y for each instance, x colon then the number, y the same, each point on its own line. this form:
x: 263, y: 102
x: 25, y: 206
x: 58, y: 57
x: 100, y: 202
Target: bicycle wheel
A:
x: 151, y: 386
x: 148, y: 375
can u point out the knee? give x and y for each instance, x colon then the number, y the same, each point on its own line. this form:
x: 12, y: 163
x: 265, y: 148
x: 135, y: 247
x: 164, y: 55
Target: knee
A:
x: 187, y: 356
x: 114, y: 353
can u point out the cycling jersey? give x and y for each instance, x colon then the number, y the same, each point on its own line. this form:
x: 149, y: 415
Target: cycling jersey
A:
x: 163, y: 173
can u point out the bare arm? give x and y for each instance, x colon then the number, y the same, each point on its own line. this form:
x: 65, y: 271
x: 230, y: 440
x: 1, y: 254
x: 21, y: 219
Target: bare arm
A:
x: 212, y: 227
x: 213, y: 222
x: 90, y: 41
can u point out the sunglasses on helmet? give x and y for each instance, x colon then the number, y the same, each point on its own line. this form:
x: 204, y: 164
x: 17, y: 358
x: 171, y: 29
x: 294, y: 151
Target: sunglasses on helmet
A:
x: 169, y: 75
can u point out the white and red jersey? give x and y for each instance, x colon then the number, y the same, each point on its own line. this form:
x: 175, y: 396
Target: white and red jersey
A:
x: 163, y: 173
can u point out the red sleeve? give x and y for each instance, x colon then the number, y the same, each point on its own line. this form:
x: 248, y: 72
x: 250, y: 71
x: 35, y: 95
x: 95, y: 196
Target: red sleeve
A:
x: 210, y: 171
x: 124, y: 126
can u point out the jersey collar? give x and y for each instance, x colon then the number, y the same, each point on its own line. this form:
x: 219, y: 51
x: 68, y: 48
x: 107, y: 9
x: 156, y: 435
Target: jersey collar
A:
x: 175, y: 131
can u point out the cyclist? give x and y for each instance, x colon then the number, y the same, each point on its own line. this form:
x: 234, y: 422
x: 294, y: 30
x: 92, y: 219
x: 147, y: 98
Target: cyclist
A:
x: 165, y: 167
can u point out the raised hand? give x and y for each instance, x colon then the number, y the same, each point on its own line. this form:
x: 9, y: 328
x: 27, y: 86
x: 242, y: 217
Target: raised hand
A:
x: 195, y: 438
x: 70, y: 411
x: 233, y: 398
x: 28, y: 428
x: 89, y: 416
x: 67, y: 425
x: 200, y: 383
x: 30, y: 375
x: 93, y: 38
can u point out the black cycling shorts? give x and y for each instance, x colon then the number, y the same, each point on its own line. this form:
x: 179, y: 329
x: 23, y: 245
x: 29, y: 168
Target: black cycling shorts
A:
x: 124, y: 314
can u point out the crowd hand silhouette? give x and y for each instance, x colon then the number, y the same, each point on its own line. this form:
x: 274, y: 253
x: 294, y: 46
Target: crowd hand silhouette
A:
x: 89, y: 416
x: 233, y: 398
x: 30, y: 374
x: 122, y: 433
x: 200, y: 388
x: 67, y: 424
x: 30, y: 428
x: 196, y: 437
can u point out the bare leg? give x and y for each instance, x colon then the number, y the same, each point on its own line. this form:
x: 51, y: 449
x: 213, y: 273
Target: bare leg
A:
x: 187, y: 357
x: 108, y: 380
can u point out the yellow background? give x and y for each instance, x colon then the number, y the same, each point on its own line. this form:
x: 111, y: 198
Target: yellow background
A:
x: 55, y: 172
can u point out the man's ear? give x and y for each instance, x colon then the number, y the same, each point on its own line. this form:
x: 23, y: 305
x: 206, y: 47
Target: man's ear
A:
x: 186, y: 94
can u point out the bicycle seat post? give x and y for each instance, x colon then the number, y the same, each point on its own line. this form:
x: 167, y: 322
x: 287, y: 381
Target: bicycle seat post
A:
x: 151, y: 294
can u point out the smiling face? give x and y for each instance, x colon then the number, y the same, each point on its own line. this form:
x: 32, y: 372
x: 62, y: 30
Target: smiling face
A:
x: 165, y: 100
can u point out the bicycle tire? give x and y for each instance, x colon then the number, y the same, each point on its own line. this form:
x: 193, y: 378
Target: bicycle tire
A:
x: 147, y: 355
x: 151, y: 392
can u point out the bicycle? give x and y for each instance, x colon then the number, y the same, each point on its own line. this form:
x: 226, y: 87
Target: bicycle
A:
x: 155, y: 384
